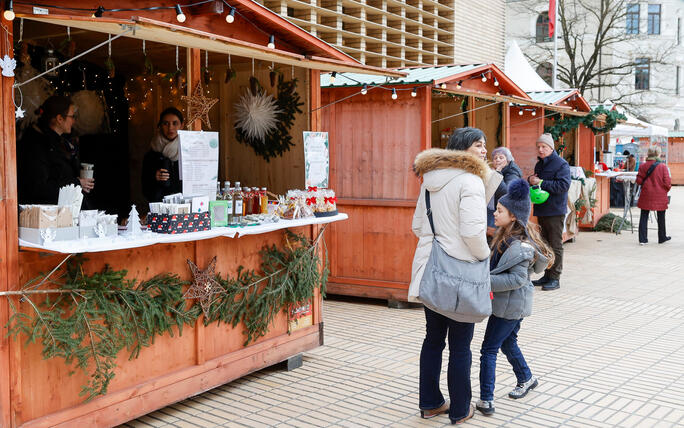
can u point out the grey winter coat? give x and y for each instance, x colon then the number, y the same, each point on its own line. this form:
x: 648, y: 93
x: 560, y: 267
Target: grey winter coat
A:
x: 511, y: 283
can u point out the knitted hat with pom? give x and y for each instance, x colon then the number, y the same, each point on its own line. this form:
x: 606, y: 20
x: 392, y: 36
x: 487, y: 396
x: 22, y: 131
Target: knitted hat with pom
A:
x: 517, y: 200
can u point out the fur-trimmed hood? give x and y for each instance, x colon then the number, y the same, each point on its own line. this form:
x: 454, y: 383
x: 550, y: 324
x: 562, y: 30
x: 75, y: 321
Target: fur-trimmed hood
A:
x: 435, y: 159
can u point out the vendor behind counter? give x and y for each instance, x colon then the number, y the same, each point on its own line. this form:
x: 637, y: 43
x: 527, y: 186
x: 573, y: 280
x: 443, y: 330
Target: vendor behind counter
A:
x: 160, y: 174
x: 47, y: 158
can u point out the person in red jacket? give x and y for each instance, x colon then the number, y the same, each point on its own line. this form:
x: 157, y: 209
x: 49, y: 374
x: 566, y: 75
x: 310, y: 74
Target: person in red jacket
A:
x: 654, y: 178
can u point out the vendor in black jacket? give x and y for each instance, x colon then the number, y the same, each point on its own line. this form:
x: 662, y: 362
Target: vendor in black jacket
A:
x: 46, y: 158
x: 160, y: 174
x: 552, y: 173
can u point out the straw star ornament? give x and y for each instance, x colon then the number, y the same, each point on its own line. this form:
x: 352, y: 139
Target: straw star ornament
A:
x: 198, y: 106
x: 204, y: 286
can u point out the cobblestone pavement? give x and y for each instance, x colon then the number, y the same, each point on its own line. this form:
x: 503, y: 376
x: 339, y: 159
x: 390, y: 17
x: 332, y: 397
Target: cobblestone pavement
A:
x: 608, y: 348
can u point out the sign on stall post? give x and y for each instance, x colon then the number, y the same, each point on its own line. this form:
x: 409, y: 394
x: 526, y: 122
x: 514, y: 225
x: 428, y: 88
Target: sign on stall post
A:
x: 316, y: 159
x: 199, y: 156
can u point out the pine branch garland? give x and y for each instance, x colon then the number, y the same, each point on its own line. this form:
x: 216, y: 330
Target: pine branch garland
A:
x: 90, y: 319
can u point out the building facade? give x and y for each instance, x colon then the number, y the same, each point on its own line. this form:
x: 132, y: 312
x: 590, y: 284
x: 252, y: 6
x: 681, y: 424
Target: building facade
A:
x: 650, y: 37
x: 393, y: 33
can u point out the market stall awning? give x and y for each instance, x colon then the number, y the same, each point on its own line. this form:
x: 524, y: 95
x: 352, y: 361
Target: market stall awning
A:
x: 561, y: 98
x: 634, y: 127
x: 519, y: 69
x: 177, y: 35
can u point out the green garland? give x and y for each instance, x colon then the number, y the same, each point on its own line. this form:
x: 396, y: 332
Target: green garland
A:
x: 279, y: 140
x: 563, y: 124
x: 92, y: 318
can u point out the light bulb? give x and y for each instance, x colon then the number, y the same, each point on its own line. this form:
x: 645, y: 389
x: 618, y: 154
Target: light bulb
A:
x: 458, y: 85
x: 394, y: 94
x: 534, y: 112
x: 332, y: 77
x: 484, y: 78
x: 520, y: 112
x: 498, y: 93
x: 496, y: 82
x: 271, y: 42
x: 98, y: 12
x: 180, y: 16
x: 9, y: 11
x: 230, y: 18
x: 443, y: 86
x: 414, y: 92
x: 364, y: 90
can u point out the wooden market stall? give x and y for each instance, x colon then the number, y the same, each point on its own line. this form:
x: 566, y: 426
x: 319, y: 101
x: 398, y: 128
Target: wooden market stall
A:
x: 376, y: 128
x: 40, y: 391
x: 676, y: 156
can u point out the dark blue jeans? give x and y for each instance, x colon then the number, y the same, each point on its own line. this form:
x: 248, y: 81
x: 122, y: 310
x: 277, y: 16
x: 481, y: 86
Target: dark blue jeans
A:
x: 500, y: 334
x: 460, y: 358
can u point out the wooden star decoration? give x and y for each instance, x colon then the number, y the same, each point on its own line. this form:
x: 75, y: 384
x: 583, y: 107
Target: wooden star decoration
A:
x: 198, y: 106
x: 204, y: 285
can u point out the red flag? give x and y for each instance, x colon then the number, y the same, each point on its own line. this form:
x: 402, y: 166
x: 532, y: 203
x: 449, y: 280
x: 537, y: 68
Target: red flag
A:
x: 552, y: 17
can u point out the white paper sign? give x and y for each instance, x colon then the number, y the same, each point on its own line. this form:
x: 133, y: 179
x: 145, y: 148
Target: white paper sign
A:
x: 316, y: 159
x: 199, y: 162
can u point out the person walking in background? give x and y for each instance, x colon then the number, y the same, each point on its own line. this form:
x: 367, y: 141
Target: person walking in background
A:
x: 630, y: 163
x: 655, y: 181
x: 503, y: 161
x: 455, y: 179
x: 517, y: 251
x: 552, y: 174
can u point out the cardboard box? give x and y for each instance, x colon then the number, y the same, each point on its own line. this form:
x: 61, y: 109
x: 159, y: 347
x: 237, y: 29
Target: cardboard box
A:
x: 37, y: 236
x: 178, y: 223
x: 45, y: 216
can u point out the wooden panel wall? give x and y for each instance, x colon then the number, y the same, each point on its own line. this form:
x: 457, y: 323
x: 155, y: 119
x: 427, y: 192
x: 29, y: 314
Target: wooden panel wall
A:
x: 586, y: 148
x: 45, y: 388
x: 489, y: 120
x: 524, y: 132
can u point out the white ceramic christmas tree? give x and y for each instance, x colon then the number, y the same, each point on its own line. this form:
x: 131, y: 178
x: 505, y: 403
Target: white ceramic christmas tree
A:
x: 133, y: 226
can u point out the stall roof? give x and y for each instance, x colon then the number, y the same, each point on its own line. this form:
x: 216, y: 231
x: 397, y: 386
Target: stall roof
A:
x: 634, y: 127
x: 556, y: 97
x: 178, y: 35
x: 420, y: 75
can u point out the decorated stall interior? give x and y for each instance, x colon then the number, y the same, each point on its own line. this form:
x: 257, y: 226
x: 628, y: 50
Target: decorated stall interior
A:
x: 116, y: 313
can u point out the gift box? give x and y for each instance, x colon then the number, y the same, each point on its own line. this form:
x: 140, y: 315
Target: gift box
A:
x: 178, y: 223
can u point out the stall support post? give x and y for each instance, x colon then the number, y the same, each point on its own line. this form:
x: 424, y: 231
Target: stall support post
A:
x: 506, y: 124
x: 471, y: 113
x: 194, y: 65
x: 9, y: 249
x: 425, y: 97
x: 315, y: 97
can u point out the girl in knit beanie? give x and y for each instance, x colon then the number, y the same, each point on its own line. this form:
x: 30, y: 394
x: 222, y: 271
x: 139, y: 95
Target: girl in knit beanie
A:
x: 517, y: 251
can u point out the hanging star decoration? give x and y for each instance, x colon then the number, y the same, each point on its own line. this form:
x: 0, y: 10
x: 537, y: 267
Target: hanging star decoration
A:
x: 199, y: 106
x: 19, y: 113
x: 204, y: 285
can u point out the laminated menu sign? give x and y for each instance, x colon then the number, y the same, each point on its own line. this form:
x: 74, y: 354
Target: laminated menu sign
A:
x: 199, y: 162
x: 316, y: 159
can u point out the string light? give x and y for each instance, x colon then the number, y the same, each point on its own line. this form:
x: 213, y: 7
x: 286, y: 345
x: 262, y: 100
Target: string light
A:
x: 443, y: 86
x: 394, y: 94
x: 180, y: 16
x: 414, y: 92
x: 484, y: 78
x: 332, y: 77
x: 98, y: 12
x: 458, y: 85
x: 496, y: 82
x: 364, y: 90
x: 534, y: 112
x: 230, y: 18
x: 9, y: 10
x: 271, y: 42
x: 520, y: 112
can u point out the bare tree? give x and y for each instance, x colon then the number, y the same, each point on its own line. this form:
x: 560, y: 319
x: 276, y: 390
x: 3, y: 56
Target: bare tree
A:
x: 596, y: 54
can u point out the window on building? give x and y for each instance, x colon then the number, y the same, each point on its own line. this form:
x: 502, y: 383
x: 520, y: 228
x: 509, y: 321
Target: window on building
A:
x: 653, y: 19
x: 642, y: 71
x: 545, y: 71
x: 290, y: 11
x: 543, y: 28
x: 632, y: 18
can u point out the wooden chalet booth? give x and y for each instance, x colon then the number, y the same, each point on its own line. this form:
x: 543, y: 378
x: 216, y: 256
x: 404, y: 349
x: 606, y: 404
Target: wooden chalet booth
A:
x: 675, y: 153
x: 376, y: 128
x: 223, y: 47
x: 580, y: 143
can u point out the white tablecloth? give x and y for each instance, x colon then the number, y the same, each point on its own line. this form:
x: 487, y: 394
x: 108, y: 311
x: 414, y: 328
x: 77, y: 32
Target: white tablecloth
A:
x: 122, y: 242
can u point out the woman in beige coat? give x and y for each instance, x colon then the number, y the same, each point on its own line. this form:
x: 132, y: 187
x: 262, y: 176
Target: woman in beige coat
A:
x: 455, y: 179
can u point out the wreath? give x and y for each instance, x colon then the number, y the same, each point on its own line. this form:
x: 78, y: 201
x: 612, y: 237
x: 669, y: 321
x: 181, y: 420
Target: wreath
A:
x: 277, y: 116
x: 563, y: 124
